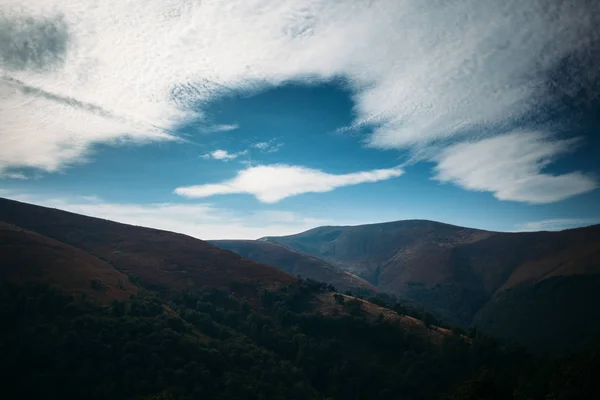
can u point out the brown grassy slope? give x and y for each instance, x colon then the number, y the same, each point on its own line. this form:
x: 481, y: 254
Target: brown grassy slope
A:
x: 375, y: 251
x: 296, y: 263
x: 390, y: 255
x: 162, y: 260
x: 327, y: 305
x: 27, y: 256
x: 510, y: 259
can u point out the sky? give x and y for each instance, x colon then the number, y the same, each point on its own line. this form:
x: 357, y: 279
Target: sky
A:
x: 237, y: 120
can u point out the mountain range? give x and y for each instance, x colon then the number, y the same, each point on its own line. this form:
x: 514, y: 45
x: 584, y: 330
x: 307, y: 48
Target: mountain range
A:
x: 537, y: 288
x: 104, y: 261
x: 98, y: 309
x: 516, y: 286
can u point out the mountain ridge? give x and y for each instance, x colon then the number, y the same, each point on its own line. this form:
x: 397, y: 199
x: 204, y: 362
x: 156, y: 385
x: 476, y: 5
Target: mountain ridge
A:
x: 462, y: 272
x: 297, y: 263
x: 161, y: 260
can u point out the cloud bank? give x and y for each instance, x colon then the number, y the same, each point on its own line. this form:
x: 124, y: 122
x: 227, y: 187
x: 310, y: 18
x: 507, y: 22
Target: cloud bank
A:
x: 272, y: 183
x: 76, y: 73
x: 510, y: 166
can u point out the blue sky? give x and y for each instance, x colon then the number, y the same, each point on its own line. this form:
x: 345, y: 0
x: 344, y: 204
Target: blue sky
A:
x: 305, y: 120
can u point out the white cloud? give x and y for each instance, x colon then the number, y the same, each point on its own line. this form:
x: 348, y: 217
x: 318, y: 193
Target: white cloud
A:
x: 222, y: 128
x: 223, y: 155
x: 272, y: 183
x: 12, y: 175
x: 511, y: 166
x: 270, y: 146
x: 556, y: 224
x: 261, y: 145
x: 420, y: 70
x: 203, y: 221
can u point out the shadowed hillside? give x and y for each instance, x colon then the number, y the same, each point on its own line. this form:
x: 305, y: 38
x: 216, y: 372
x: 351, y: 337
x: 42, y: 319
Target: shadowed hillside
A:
x: 297, y: 263
x: 161, y: 260
x: 28, y: 257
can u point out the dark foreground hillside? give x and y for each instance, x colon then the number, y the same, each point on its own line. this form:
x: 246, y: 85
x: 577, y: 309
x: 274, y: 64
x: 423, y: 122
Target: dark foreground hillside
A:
x: 209, y: 344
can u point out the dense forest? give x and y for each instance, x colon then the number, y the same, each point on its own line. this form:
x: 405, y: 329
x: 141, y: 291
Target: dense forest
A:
x: 272, y: 344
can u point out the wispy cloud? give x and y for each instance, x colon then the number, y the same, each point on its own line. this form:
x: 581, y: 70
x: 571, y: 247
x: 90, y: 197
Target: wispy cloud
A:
x: 511, y: 167
x: 271, y: 146
x: 222, y: 128
x: 272, y: 183
x: 443, y: 67
x: 12, y: 175
x: 224, y: 155
x: 556, y: 224
x: 203, y: 221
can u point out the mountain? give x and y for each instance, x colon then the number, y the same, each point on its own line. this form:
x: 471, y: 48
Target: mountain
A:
x: 27, y: 256
x: 159, y: 260
x: 473, y: 276
x: 96, y: 309
x: 75, y: 252
x: 297, y: 263
x: 110, y: 260
x: 371, y: 251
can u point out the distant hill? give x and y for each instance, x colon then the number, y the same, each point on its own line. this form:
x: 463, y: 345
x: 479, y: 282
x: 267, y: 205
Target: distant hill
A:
x: 297, y: 263
x: 465, y: 273
x: 371, y: 251
x: 160, y: 260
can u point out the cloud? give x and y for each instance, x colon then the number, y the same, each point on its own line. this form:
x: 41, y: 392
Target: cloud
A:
x: 270, y: 146
x: 511, y: 167
x: 203, y: 221
x: 556, y: 224
x: 421, y: 71
x: 223, y: 128
x: 272, y: 183
x: 223, y: 155
x: 44, y: 47
x: 12, y: 175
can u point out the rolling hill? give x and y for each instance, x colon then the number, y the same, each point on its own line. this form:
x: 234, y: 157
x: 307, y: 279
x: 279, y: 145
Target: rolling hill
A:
x: 471, y: 276
x: 69, y: 251
x: 516, y: 286
x: 159, y: 260
x: 369, y: 251
x: 123, y: 312
x: 28, y: 257
x: 297, y: 263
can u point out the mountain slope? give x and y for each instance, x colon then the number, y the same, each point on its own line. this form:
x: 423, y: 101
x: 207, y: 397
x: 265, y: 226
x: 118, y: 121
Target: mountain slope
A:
x: 366, y: 250
x: 399, y: 256
x: 296, y: 263
x: 28, y: 257
x: 162, y: 260
x: 466, y: 274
